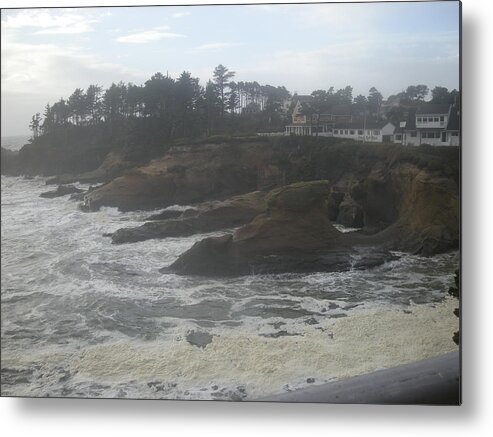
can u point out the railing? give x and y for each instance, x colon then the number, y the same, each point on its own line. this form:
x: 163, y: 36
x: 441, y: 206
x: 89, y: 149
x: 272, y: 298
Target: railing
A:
x: 435, y: 381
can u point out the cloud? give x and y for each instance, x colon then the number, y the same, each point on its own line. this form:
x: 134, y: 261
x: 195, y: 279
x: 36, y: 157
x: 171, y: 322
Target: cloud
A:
x: 181, y: 14
x: 362, y: 63
x: 49, y: 22
x: 217, y: 45
x: 35, y: 74
x: 54, y: 69
x: 148, y: 36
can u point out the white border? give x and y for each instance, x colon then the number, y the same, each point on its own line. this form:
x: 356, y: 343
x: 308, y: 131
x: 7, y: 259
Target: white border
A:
x: 87, y: 418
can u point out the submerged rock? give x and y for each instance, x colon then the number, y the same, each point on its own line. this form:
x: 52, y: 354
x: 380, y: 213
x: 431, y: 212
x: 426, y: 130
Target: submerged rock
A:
x: 199, y: 339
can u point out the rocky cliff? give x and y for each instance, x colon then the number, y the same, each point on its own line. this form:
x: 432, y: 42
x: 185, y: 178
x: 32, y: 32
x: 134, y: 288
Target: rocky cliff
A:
x: 408, y: 197
x: 405, y: 198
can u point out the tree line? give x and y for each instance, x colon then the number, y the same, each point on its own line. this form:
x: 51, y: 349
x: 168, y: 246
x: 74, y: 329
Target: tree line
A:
x: 182, y: 107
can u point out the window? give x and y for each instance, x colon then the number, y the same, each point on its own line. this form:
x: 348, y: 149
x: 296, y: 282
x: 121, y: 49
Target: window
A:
x: 376, y: 132
x: 442, y: 119
x: 430, y: 119
x: 352, y: 132
x: 360, y: 132
x: 345, y: 132
x: 424, y: 135
x: 437, y: 134
x: 419, y: 119
x: 398, y: 137
x: 336, y: 131
x: 455, y: 134
x: 435, y: 119
x: 413, y: 134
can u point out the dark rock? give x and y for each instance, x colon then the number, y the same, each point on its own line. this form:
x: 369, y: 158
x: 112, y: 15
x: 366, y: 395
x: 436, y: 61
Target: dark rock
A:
x: 78, y: 196
x: 333, y: 202
x: 373, y: 259
x: 62, y: 190
x: 279, y: 334
x: 165, y: 215
x: 310, y: 380
x: 350, y: 213
x: 455, y: 292
x: 10, y: 162
x: 206, y: 217
x: 199, y: 339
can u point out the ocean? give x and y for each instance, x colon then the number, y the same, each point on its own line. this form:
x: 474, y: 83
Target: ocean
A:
x: 14, y: 142
x: 84, y: 318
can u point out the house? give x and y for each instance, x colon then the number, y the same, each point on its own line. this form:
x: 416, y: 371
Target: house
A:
x: 339, y: 123
x: 434, y: 124
x: 304, y: 123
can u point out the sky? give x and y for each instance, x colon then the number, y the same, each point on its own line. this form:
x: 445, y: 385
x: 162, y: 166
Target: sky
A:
x: 47, y: 53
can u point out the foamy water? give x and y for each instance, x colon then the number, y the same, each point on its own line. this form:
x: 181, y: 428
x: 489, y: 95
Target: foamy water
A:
x: 82, y: 317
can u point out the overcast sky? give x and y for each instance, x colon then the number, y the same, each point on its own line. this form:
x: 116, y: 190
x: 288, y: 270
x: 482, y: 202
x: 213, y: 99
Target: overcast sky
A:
x: 47, y: 53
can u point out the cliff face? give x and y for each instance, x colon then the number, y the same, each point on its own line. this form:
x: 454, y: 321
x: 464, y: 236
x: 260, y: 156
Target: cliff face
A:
x: 188, y: 175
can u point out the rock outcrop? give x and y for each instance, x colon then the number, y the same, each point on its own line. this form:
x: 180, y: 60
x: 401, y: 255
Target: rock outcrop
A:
x: 206, y: 217
x: 417, y: 209
x: 185, y: 176
x: 62, y: 190
x: 114, y: 165
x: 294, y: 235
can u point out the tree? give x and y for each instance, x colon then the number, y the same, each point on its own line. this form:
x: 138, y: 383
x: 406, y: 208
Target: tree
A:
x: 135, y: 100
x: 35, y: 125
x: 344, y: 96
x: 77, y: 106
x: 233, y: 98
x: 187, y: 95
x: 221, y: 79
x: 114, y: 102
x: 93, y: 103
x: 417, y: 93
x: 375, y: 100
x: 441, y: 94
x: 49, y: 120
x: 212, y: 105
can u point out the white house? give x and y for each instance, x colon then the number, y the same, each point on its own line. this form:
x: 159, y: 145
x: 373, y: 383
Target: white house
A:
x: 434, y: 124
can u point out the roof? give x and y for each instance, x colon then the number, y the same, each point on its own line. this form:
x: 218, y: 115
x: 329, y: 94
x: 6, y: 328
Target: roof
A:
x: 454, y: 120
x: 432, y: 108
x: 410, y: 121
